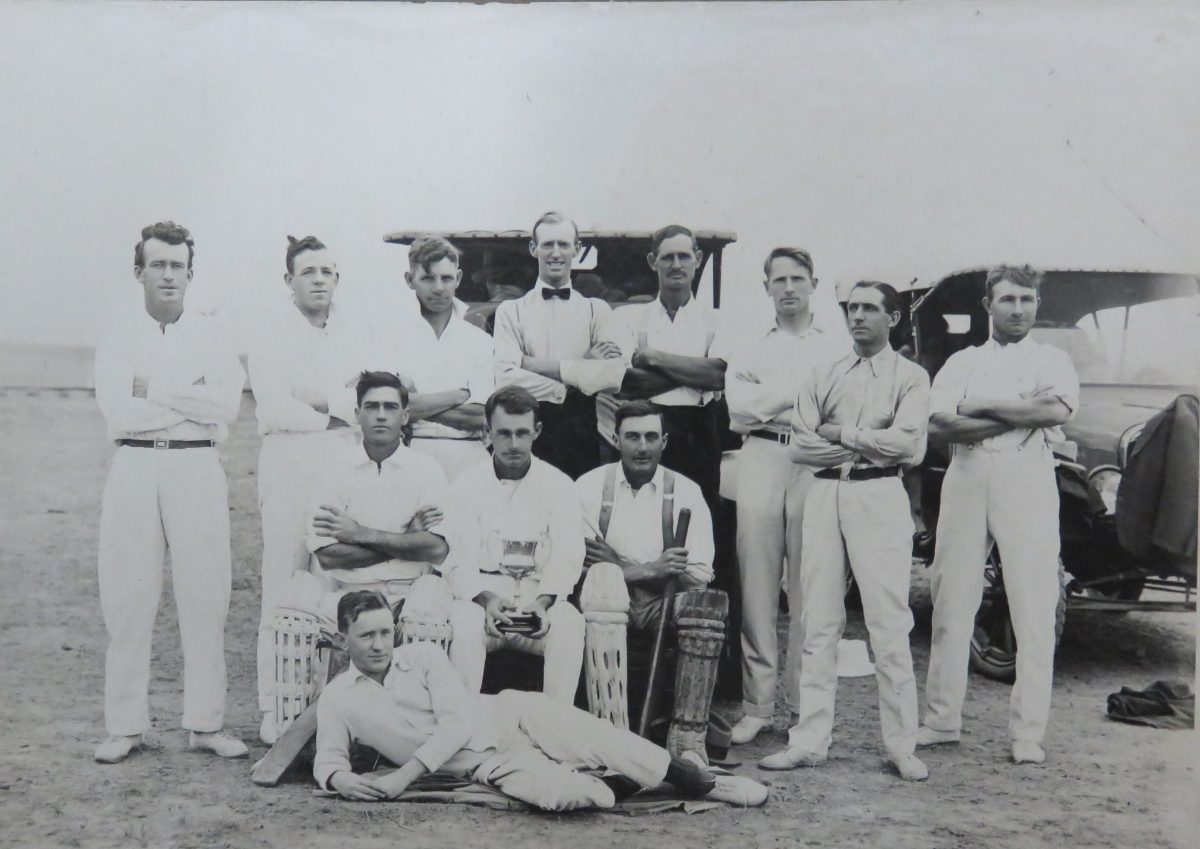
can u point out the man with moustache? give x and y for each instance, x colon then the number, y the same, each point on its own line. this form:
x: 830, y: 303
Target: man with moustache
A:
x: 302, y: 370
x: 560, y: 346
x: 999, y: 405
x: 761, y: 386
x: 168, y: 383
x: 859, y: 421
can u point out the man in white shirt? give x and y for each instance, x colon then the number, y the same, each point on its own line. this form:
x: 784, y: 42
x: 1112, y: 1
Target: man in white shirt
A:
x: 409, y: 705
x: 560, y: 346
x: 631, y: 509
x: 168, y: 384
x: 761, y: 386
x: 999, y: 406
x: 672, y: 364
x: 448, y: 359
x: 514, y: 496
x: 302, y: 370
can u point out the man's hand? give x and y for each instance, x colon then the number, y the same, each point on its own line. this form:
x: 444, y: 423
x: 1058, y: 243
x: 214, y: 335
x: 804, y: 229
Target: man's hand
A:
x: 495, y: 612
x: 357, y: 787
x: 334, y: 522
x: 312, y: 398
x: 335, y: 423
x: 541, y: 606
x: 745, y: 377
x: 603, y: 351
x: 140, y: 385
x: 830, y: 433
x: 424, y: 520
x: 671, y: 563
x: 644, y: 358
x: 599, y: 551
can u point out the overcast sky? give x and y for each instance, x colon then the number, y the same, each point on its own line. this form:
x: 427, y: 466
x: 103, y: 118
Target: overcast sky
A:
x: 894, y: 140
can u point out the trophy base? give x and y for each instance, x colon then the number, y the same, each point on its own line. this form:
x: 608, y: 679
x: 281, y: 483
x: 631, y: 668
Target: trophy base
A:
x: 523, y: 624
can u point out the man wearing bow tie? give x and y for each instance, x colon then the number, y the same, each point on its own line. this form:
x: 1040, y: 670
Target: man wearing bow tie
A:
x: 561, y: 346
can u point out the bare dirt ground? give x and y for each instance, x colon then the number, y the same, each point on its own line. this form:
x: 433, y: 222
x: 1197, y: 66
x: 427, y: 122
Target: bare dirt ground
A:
x: 1104, y: 784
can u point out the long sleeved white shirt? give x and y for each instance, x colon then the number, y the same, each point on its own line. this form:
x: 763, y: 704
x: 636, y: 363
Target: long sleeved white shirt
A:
x: 689, y: 334
x: 194, y: 379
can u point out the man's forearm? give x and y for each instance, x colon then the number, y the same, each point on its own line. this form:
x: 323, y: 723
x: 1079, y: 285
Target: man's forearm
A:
x: 467, y: 417
x: 345, y: 555
x: 426, y: 405
x: 544, y: 366
x: 1045, y: 411
x: 951, y: 429
x: 419, y: 545
x: 705, y: 373
x: 641, y: 383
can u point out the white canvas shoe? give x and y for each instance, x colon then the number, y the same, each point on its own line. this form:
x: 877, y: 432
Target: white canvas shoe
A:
x: 738, y: 790
x: 746, y: 729
x: 927, y: 736
x: 219, y: 743
x: 1024, y: 752
x: 117, y: 748
x: 910, y: 767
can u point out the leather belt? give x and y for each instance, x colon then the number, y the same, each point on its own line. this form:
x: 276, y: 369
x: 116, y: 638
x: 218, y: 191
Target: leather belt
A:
x: 772, y: 436
x: 868, y: 473
x: 167, y: 443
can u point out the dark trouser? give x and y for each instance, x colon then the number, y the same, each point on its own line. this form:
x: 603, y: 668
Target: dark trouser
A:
x: 569, y: 439
x: 694, y: 448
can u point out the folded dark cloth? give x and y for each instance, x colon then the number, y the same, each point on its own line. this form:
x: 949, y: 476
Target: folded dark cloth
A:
x: 1164, y: 704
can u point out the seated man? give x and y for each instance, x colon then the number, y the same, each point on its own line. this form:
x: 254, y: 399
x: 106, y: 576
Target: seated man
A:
x: 378, y: 525
x: 513, y: 500
x: 408, y: 704
x: 631, y: 509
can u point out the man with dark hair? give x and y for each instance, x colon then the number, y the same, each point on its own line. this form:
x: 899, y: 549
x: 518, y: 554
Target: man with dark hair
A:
x: 168, y: 383
x: 302, y: 369
x: 672, y: 364
x: 761, y: 386
x: 999, y: 406
x: 632, y: 509
x: 408, y: 704
x: 859, y: 422
x: 448, y: 359
x: 513, y: 499
x: 559, y: 345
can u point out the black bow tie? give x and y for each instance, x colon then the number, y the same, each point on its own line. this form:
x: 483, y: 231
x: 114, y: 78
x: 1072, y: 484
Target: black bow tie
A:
x: 563, y: 293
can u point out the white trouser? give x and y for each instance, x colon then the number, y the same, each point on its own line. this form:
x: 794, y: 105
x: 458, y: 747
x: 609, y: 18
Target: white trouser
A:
x: 868, y: 524
x: 289, y: 466
x: 562, y: 647
x: 770, y: 509
x: 453, y: 455
x: 155, y: 500
x: 1010, y: 497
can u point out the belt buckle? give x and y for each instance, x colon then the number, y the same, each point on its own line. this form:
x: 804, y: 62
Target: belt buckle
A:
x: 161, y: 443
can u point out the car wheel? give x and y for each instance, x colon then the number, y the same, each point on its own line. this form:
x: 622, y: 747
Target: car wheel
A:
x: 1123, y: 591
x: 993, y: 643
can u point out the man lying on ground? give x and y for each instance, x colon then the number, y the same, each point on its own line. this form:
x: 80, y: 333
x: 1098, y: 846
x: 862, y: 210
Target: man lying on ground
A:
x: 410, y: 705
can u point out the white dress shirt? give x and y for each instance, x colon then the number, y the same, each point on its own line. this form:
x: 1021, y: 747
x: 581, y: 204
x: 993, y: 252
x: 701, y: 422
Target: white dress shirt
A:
x: 384, y: 496
x: 194, y: 378
x: 292, y: 354
x: 542, y: 502
x: 761, y: 384
x: 461, y: 358
x: 560, y: 330
x: 635, y: 525
x: 690, y: 334
x: 1018, y: 370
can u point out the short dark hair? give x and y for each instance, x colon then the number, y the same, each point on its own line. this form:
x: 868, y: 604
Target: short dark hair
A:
x: 553, y: 217
x: 1019, y: 275
x: 891, y: 298
x: 664, y: 233
x: 426, y: 250
x: 354, y: 604
x: 800, y: 255
x: 369, y: 380
x: 516, y: 400
x: 637, y: 409
x: 164, y: 231
x: 298, y: 246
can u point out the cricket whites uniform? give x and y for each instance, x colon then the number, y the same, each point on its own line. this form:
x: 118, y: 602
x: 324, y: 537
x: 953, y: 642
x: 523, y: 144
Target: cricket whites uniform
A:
x: 857, y: 514
x: 166, y: 491
x: 292, y: 354
x: 461, y: 358
x: 1000, y: 490
x: 543, y: 324
x: 541, y: 506
x: 761, y: 389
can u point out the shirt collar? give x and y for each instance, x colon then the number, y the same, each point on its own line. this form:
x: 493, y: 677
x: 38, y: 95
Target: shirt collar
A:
x: 398, y: 458
x: 1025, y: 343
x: 656, y: 481
x: 884, y: 357
x: 301, y: 320
x: 542, y: 284
x: 662, y: 308
x: 813, y: 329
x: 399, y: 661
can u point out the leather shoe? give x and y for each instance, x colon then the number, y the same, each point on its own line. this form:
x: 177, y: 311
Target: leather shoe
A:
x: 117, y: 748
x: 738, y: 790
x: 219, y: 743
x: 927, y: 736
x: 790, y: 758
x: 1024, y: 752
x: 746, y: 729
x: 910, y: 767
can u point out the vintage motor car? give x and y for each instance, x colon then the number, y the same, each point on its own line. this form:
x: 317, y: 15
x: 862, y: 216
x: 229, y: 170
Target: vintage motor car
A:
x: 1134, y: 338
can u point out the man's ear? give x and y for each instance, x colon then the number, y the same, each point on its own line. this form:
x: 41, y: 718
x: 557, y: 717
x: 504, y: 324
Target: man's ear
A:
x: 339, y: 641
x: 532, y: 247
x: 664, y: 441
x: 287, y: 279
x: 537, y: 429
x: 650, y: 260
x: 893, y: 319
x: 408, y: 279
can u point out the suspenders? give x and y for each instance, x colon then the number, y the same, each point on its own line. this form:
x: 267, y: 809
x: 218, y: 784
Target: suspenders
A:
x: 668, y: 504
